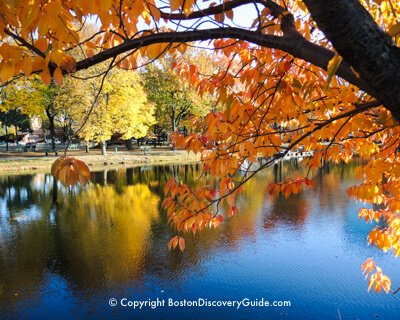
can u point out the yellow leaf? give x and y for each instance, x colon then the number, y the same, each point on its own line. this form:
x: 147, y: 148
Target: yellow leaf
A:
x: 57, y: 56
x: 188, y: 7
x: 333, y: 65
x: 155, y: 51
x: 386, y: 283
x: 30, y: 13
x: 371, y: 281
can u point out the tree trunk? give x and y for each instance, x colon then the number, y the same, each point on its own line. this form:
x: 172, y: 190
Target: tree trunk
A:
x: 50, y: 116
x: 129, y: 176
x: 129, y: 144
x: 9, y: 197
x: 6, y: 129
x: 173, y: 120
x: 16, y: 135
x: 52, y: 132
x: 103, y: 146
x: 44, y: 131
x: 364, y: 45
x: 55, y: 191
x: 66, y: 130
x: 105, y: 177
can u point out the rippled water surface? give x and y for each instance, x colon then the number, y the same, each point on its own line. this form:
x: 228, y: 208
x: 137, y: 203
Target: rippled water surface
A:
x: 65, y: 253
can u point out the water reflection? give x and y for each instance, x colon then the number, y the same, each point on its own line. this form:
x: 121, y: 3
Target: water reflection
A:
x: 112, y: 235
x: 100, y: 226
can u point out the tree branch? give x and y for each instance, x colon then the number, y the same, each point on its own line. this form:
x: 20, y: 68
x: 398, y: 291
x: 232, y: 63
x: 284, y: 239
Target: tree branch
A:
x: 364, y: 45
x: 294, y: 45
x: 287, y: 20
x: 24, y: 43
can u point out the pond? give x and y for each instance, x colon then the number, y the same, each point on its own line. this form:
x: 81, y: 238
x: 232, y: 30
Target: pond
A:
x: 64, y: 253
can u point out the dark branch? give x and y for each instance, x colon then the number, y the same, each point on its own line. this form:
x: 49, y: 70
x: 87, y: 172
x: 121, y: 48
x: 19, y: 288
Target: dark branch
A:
x: 296, y: 46
x: 287, y: 20
x: 364, y: 45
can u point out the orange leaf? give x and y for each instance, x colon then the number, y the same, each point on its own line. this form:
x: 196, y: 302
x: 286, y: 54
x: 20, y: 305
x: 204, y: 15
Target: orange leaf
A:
x: 173, y: 243
x: 42, y: 44
x: 68, y: 63
x: 69, y: 171
x: 27, y: 66
x: 45, y: 75
x: 7, y: 71
x: 368, y: 266
x: 181, y: 243
x: 58, y: 77
x: 174, y: 4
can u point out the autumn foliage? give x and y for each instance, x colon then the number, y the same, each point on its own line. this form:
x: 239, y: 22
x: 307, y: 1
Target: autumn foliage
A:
x: 69, y: 171
x: 280, y: 86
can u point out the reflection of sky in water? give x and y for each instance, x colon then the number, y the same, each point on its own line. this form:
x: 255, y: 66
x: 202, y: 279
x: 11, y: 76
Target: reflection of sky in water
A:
x: 64, y: 253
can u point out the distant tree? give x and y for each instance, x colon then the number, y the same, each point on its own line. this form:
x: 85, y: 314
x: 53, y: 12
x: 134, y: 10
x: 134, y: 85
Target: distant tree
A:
x: 34, y: 98
x: 175, y: 101
x: 121, y: 107
x: 15, y: 118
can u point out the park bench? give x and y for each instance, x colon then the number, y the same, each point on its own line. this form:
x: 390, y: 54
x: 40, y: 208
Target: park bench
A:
x: 145, y: 149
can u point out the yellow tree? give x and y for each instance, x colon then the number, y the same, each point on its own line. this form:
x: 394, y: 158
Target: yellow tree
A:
x: 121, y: 107
x: 37, y: 99
x: 278, y: 86
x: 10, y: 112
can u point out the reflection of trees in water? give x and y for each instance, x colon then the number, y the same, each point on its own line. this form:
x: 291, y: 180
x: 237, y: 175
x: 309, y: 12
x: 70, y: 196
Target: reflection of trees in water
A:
x: 18, y: 193
x: 330, y: 187
x: 97, y: 238
x: 104, y: 233
x: 288, y: 211
x: 25, y: 236
x: 170, y: 266
x: 111, y: 233
x: 294, y: 210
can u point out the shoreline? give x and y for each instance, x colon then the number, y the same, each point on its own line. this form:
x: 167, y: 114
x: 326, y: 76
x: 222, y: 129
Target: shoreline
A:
x: 14, y: 164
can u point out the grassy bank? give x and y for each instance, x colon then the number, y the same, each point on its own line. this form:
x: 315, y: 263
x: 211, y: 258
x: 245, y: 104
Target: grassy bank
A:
x: 16, y: 163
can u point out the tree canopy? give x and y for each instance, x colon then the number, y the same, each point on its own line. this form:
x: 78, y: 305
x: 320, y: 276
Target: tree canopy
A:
x: 11, y: 114
x: 120, y: 107
x: 322, y: 75
x: 175, y: 101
